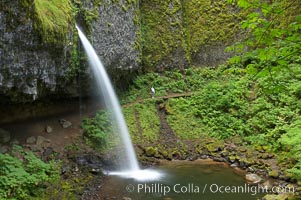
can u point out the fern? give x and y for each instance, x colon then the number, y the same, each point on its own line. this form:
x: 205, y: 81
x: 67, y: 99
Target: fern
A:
x: 21, y: 173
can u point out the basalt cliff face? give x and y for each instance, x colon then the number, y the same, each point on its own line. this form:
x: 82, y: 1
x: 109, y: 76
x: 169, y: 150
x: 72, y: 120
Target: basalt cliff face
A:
x: 29, y: 68
x: 114, y: 35
x: 128, y: 35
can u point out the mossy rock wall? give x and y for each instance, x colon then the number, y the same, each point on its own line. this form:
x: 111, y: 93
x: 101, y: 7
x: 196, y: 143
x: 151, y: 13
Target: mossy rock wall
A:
x: 180, y: 33
x: 162, y: 34
x: 40, y: 53
x: 30, y: 66
x: 39, y: 60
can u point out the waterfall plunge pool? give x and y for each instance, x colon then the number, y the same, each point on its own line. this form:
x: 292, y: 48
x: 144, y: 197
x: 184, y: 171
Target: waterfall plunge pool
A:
x: 189, y: 180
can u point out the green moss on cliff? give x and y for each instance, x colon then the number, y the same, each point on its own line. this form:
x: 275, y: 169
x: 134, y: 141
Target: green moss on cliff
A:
x: 187, y: 25
x: 53, y: 19
x: 161, y: 29
x: 208, y: 22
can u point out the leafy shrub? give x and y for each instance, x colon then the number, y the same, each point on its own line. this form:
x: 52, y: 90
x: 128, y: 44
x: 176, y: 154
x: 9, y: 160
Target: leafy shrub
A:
x: 98, y: 130
x: 22, y: 173
x: 292, y: 142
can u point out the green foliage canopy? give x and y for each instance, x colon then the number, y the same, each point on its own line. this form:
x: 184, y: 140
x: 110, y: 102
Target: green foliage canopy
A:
x: 273, y: 42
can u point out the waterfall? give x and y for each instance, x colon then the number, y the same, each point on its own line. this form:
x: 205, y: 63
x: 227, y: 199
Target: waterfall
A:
x: 130, y: 166
x: 111, y: 102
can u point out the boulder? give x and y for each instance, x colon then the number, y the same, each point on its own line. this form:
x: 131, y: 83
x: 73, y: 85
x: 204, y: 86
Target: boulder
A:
x: 4, y: 136
x: 48, y: 129
x: 234, y: 165
x: 14, y: 142
x: 218, y: 159
x: 151, y: 151
x: 48, y: 154
x: 250, y: 169
x: 65, y: 123
x: 274, y: 173
x: 40, y: 140
x: 231, y: 159
x: 268, y: 185
x: 253, y: 178
x: 31, y: 140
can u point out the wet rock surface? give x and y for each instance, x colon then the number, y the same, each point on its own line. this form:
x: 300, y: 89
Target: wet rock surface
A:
x: 64, y: 123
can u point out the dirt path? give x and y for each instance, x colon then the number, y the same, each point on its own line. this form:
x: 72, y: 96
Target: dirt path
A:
x: 166, y: 133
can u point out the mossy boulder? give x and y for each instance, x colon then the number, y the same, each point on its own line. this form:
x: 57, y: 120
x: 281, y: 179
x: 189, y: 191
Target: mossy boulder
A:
x: 214, y: 146
x: 232, y: 159
x: 237, y: 140
x: 151, y: 152
x: 274, y: 173
x: 224, y: 153
x: 166, y: 155
x: 268, y: 184
x: 284, y: 196
x: 246, y: 162
x: 242, y: 149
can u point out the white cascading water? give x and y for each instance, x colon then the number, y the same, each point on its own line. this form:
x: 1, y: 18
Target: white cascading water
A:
x: 130, y: 168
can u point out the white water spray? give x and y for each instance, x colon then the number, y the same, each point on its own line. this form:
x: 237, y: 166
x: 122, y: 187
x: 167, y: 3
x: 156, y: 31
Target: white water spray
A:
x: 111, y: 102
x: 131, y: 167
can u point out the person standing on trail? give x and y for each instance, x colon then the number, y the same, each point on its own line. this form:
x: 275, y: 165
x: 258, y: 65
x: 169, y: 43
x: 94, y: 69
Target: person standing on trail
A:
x: 153, y: 92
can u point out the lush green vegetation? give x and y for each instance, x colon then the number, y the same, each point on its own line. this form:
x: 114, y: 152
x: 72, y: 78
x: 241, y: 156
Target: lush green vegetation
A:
x: 166, y: 83
x: 53, y: 19
x: 23, y: 175
x: 227, y: 103
x: 99, y: 130
x: 254, y: 97
x: 273, y: 59
x: 143, y: 121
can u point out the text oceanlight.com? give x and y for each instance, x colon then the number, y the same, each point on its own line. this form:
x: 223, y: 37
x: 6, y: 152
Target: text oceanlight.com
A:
x: 191, y: 188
